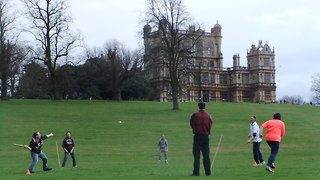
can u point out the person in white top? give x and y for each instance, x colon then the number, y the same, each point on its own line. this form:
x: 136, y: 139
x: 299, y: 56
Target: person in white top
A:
x: 256, y: 140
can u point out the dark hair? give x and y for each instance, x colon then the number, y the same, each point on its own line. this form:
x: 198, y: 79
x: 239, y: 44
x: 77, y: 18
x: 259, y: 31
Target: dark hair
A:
x: 35, y: 134
x: 277, y: 115
x: 202, y: 105
x: 68, y: 132
x: 254, y: 117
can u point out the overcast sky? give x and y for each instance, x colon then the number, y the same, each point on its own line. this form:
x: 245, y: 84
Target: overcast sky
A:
x: 292, y: 27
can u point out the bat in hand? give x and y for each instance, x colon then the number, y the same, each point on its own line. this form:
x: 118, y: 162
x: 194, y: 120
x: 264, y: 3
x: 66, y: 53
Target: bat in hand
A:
x: 25, y: 146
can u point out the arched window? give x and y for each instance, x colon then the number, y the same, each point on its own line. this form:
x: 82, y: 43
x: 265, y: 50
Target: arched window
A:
x: 186, y: 45
x: 198, y: 48
x: 210, y: 48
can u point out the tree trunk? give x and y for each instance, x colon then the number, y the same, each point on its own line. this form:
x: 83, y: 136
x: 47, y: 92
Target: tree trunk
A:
x: 4, y: 87
x: 175, y: 96
x: 56, y: 94
x: 55, y: 84
x: 117, y: 94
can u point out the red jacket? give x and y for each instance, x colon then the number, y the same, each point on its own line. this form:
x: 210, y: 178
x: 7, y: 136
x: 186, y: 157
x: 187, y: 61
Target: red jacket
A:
x: 201, y: 122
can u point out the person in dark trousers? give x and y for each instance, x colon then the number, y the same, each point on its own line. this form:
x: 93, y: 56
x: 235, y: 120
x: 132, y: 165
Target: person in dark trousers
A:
x: 68, y: 147
x: 276, y: 130
x: 35, y: 149
x: 163, y: 145
x: 201, y: 123
x: 256, y: 140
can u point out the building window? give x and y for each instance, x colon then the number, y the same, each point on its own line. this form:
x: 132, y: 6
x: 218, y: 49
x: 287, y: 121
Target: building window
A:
x: 224, y: 96
x: 198, y: 48
x: 211, y: 63
x: 196, y: 94
x: 205, y: 77
x: 196, y: 78
x: 246, y: 95
x: 198, y: 63
x: 245, y: 78
x: 210, y: 48
x: 169, y: 89
x: 188, y: 62
x: 167, y: 72
x: 188, y: 94
x: 212, y: 78
x: 267, y: 95
x: 266, y: 61
x: 186, y: 45
x: 213, y: 95
x: 267, y: 78
x: 223, y: 79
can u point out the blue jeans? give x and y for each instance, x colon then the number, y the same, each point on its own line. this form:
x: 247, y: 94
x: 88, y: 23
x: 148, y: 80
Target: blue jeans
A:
x: 274, y: 145
x: 35, y: 160
x: 256, y: 152
x: 73, y: 155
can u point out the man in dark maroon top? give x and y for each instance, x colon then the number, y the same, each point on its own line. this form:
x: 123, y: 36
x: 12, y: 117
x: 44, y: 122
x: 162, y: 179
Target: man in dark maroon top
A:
x: 201, y: 123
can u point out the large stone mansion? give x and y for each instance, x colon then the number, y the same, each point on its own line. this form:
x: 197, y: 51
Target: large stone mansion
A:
x: 254, y: 83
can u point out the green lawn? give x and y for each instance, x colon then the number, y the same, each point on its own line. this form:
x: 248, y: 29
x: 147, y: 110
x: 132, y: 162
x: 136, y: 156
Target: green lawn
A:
x: 106, y: 149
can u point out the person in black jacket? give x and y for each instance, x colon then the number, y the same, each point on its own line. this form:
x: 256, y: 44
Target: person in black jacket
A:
x: 35, y: 149
x: 68, y: 147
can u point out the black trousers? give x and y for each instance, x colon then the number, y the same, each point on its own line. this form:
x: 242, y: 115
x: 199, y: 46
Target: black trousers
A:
x: 201, y: 143
x: 256, y: 152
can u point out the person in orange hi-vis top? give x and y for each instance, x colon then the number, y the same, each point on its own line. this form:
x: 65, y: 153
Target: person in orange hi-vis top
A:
x: 275, y: 129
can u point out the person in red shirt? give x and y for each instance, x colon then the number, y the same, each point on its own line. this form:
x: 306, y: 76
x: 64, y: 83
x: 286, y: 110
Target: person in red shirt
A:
x: 201, y: 123
x: 276, y: 129
x: 68, y: 147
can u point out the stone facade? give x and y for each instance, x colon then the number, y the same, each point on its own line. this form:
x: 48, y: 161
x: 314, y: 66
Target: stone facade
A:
x: 210, y: 81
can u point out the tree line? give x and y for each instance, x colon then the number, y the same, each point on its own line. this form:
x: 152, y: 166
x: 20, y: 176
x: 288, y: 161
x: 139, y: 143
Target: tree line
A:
x: 46, y: 66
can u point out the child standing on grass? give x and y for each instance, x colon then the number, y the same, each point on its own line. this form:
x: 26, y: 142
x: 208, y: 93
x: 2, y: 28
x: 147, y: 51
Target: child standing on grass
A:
x: 163, y: 144
x: 68, y: 146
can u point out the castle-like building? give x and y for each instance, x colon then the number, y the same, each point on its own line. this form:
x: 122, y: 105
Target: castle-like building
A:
x: 210, y: 81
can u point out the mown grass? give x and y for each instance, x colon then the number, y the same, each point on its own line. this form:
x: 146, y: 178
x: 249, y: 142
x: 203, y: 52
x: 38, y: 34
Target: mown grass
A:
x: 106, y: 149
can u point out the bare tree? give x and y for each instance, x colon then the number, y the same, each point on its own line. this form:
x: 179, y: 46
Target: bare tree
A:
x: 165, y: 47
x: 6, y: 45
x: 315, y: 88
x: 50, y: 28
x: 298, y: 100
x: 123, y: 63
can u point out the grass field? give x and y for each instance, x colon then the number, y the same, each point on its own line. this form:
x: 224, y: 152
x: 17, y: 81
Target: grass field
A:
x: 106, y: 149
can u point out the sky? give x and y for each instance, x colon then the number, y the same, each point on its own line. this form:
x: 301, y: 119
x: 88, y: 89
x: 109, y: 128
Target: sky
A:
x: 291, y: 27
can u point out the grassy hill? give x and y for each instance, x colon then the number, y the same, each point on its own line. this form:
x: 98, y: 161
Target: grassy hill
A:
x: 106, y: 149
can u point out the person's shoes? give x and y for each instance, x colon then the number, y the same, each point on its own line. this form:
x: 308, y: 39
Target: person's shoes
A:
x: 262, y: 163
x: 194, y: 175
x: 272, y: 166
x: 208, y: 174
x: 269, y: 170
x: 159, y: 161
x: 166, y: 161
x: 29, y: 171
x: 47, y: 169
x: 75, y: 166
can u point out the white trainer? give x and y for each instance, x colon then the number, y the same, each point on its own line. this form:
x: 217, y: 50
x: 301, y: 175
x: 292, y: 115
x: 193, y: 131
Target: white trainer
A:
x: 166, y: 161
x: 262, y: 163
x: 159, y: 161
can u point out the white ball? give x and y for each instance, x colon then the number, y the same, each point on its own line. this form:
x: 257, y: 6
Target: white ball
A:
x: 120, y: 122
